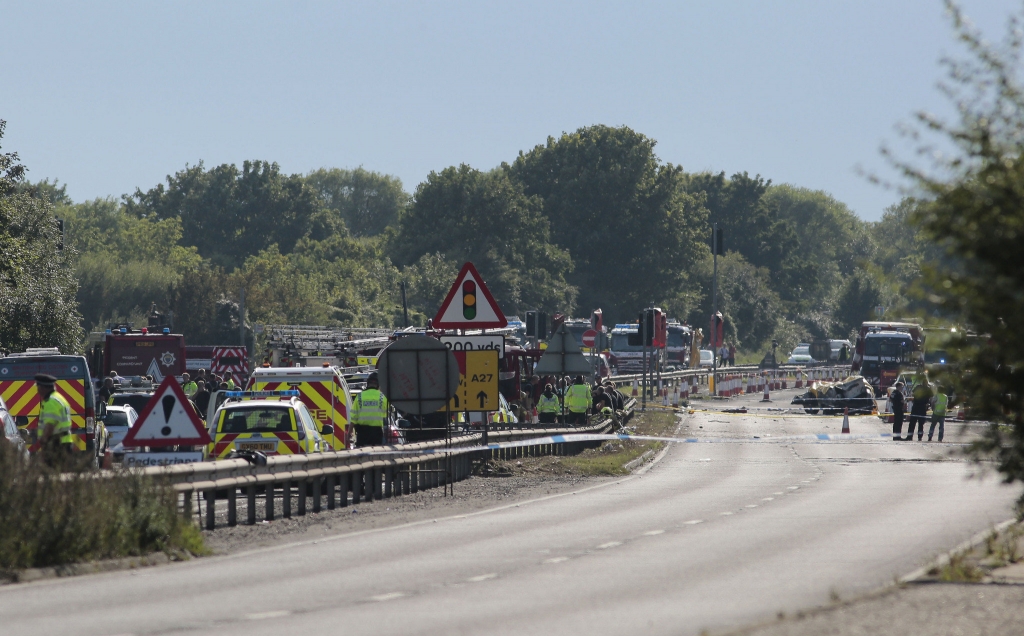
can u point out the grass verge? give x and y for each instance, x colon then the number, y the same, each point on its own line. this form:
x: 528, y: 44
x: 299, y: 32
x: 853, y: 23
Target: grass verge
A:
x: 609, y: 459
x: 52, y: 518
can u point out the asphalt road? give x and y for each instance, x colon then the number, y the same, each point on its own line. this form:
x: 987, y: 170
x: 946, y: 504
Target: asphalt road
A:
x: 713, y: 536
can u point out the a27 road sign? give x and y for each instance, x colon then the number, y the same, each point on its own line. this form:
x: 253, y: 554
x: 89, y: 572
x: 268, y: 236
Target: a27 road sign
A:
x: 478, y: 385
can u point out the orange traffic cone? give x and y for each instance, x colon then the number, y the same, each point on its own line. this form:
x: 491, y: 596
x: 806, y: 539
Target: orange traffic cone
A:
x: 766, y: 397
x: 846, y: 421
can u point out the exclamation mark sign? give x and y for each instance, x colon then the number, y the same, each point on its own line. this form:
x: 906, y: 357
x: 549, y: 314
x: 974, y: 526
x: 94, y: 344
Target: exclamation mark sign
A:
x: 169, y: 402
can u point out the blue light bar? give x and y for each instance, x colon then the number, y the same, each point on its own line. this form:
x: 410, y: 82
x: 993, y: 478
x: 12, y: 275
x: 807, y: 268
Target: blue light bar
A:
x: 261, y: 394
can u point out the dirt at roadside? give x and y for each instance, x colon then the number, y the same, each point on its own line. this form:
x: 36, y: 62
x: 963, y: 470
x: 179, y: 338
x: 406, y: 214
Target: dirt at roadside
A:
x: 501, y: 482
x: 508, y: 484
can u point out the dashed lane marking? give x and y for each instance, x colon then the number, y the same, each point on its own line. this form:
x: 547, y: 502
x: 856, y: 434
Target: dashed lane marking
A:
x: 610, y: 544
x: 390, y: 596
x: 483, y: 577
x: 259, y: 616
x: 651, y: 533
x: 751, y: 506
x: 768, y: 499
x: 693, y: 522
x: 556, y: 560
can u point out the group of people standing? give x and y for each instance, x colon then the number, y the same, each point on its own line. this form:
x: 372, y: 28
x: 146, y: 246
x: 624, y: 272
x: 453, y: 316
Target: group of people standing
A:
x: 727, y: 355
x: 574, y: 398
x: 923, y: 396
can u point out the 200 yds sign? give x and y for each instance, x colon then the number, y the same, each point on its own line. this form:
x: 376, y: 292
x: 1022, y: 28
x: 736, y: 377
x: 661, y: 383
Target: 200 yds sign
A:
x: 475, y: 343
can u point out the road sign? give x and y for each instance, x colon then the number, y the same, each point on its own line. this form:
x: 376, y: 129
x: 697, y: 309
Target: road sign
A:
x: 476, y: 343
x: 145, y: 460
x: 167, y: 420
x: 478, y: 384
x: 589, y: 338
x: 469, y: 305
x: 417, y: 374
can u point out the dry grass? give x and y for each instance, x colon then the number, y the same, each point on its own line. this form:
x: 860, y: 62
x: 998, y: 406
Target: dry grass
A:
x: 53, y: 518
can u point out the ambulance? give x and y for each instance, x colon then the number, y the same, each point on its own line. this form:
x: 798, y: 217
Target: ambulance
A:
x: 323, y: 390
x: 18, y: 390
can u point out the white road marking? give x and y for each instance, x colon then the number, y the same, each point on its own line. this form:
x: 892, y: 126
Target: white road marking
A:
x: 259, y: 616
x: 610, y: 544
x: 556, y: 560
x: 483, y: 577
x: 390, y: 596
x: 793, y: 487
x: 768, y: 499
x: 725, y: 513
x: 651, y: 533
x: 751, y: 505
x: 693, y: 522
x: 778, y: 493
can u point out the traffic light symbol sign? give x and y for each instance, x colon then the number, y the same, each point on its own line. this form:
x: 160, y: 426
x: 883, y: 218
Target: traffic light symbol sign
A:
x: 469, y: 300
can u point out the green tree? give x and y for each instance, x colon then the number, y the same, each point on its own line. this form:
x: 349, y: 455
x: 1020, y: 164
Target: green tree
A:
x: 977, y: 217
x: 229, y: 214
x: 625, y: 219
x: 367, y: 202
x: 37, y: 284
x: 463, y: 214
x: 752, y: 310
x: 428, y: 280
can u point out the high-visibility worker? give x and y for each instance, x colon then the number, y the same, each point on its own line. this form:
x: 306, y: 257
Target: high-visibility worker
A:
x: 231, y: 384
x: 548, y: 405
x: 577, y: 402
x: 939, y: 404
x: 188, y: 386
x: 54, y: 421
x: 369, y: 410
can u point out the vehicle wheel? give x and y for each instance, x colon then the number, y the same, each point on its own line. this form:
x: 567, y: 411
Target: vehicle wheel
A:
x: 811, y: 411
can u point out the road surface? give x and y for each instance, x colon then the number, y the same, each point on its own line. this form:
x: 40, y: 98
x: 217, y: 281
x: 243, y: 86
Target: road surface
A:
x: 713, y: 536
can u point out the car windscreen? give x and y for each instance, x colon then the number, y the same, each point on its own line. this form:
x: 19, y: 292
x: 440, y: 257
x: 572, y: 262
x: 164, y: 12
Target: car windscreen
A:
x: 677, y: 339
x: 115, y: 418
x: 887, y: 347
x: 256, y: 419
x: 620, y: 342
x: 137, y: 401
x: 802, y: 351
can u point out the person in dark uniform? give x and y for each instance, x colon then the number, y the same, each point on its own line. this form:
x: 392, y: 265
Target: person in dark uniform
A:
x: 898, y: 403
x: 919, y: 409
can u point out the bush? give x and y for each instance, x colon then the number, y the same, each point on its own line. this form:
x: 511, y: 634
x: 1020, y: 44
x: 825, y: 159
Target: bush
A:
x: 48, y: 518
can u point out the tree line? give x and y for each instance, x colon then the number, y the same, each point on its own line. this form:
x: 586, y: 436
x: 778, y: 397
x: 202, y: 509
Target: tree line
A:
x: 590, y: 219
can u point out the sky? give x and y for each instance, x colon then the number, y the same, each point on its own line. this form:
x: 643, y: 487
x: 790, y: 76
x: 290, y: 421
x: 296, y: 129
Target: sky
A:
x: 110, y: 97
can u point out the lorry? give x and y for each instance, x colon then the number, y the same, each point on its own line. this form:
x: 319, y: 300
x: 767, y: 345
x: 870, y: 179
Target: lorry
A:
x: 226, y: 361
x: 884, y: 349
x: 680, y: 340
x: 626, y: 352
x: 139, y: 352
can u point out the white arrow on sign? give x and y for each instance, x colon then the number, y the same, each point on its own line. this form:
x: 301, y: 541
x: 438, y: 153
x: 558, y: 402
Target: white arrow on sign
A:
x: 167, y: 420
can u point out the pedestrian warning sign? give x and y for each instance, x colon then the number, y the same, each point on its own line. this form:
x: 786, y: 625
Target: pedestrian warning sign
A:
x: 469, y: 304
x: 167, y: 420
x: 478, y: 381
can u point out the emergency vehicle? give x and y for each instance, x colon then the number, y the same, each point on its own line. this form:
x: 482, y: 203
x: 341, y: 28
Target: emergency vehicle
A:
x: 18, y: 390
x: 884, y: 349
x: 627, y: 353
x: 141, y: 352
x: 680, y: 340
x: 271, y: 422
x: 324, y: 391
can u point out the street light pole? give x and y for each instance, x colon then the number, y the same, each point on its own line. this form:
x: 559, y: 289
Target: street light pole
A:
x: 714, y: 310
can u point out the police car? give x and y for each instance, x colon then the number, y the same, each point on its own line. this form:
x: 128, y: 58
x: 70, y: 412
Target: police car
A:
x: 271, y: 422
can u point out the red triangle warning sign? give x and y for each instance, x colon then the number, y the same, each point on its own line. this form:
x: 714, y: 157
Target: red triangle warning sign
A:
x: 168, y: 420
x: 469, y: 304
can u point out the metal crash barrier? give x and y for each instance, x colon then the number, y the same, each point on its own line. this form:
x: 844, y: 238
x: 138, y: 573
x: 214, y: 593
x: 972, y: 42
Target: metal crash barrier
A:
x: 368, y: 474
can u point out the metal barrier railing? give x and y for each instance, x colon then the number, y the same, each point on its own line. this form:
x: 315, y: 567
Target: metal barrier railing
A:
x: 368, y: 474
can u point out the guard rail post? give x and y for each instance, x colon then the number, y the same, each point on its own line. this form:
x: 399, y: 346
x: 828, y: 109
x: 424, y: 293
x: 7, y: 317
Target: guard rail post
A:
x: 369, y: 490
x: 211, y: 508
x: 232, y: 507
x: 329, y: 482
x: 357, y: 483
x: 389, y: 477
x: 301, y: 486
x: 414, y: 477
x: 250, y: 503
x: 316, y: 494
x: 286, y: 499
x: 269, y: 502
x: 378, y: 478
x: 187, y: 504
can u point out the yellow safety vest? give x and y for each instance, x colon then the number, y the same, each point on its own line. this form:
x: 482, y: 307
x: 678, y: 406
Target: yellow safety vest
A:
x: 577, y: 399
x: 56, y: 411
x: 547, y: 404
x: 190, y: 388
x: 370, y: 408
x: 941, y: 400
